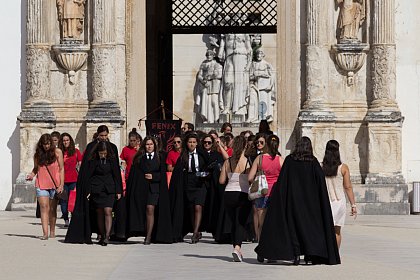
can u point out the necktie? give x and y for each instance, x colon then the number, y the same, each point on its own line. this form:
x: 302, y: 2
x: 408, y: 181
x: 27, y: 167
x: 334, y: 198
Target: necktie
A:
x: 192, y: 162
x: 149, y: 156
x: 103, y: 160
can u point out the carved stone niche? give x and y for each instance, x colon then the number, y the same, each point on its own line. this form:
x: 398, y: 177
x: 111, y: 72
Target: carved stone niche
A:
x: 71, y: 58
x: 350, y: 57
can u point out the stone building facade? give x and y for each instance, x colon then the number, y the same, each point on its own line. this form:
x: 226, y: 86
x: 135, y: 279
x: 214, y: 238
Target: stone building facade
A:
x: 335, y: 79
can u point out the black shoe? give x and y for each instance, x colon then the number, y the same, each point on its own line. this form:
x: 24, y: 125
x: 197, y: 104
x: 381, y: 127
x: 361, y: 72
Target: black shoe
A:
x: 260, y: 259
x: 308, y: 260
x: 296, y: 261
x: 195, y: 238
x: 147, y: 241
x: 105, y: 242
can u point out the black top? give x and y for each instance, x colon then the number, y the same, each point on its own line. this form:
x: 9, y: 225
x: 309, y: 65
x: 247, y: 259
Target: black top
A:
x: 299, y: 219
x: 83, y: 221
x: 136, y: 197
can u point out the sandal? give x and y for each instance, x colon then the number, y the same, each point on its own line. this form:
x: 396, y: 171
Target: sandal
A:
x: 43, y: 237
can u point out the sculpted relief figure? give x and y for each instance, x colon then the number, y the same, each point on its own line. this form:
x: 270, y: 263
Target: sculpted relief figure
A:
x: 208, y: 87
x: 236, y: 53
x: 351, y: 17
x: 262, y: 93
x: 71, y: 15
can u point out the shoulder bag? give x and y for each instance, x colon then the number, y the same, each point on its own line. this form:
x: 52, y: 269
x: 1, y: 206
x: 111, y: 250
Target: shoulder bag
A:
x: 259, y: 186
x: 63, y: 195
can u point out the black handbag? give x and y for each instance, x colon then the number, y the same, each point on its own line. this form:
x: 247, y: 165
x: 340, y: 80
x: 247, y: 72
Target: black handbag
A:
x: 61, y: 196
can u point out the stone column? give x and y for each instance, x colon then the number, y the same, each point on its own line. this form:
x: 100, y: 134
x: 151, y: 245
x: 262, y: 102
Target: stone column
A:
x: 104, y: 108
x: 384, y: 55
x: 37, y: 116
x: 316, y: 118
x: 385, y: 184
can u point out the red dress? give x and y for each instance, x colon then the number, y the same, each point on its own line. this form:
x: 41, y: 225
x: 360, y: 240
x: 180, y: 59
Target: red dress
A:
x: 127, y: 154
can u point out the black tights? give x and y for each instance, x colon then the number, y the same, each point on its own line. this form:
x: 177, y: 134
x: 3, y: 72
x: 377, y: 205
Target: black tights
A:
x: 104, y: 216
x: 196, y: 216
x: 150, y: 220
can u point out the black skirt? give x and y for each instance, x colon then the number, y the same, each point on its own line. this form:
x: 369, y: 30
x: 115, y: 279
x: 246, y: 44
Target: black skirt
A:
x: 195, y: 190
x: 102, y: 199
x: 153, y: 194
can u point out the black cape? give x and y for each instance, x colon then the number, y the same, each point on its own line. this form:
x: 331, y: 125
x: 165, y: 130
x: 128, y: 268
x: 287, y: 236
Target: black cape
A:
x: 83, y: 219
x: 299, y: 219
x: 214, y: 191
x: 180, y: 215
x: 136, y: 198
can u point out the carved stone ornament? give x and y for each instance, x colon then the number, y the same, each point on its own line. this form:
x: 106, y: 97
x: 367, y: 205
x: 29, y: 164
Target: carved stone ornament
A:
x: 350, y: 58
x: 71, y: 58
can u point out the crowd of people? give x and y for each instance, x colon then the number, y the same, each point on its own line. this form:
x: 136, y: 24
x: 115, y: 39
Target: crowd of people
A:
x: 201, y: 185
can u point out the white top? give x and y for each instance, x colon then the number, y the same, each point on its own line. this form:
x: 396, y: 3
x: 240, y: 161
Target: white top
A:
x: 238, y: 182
x: 335, y: 186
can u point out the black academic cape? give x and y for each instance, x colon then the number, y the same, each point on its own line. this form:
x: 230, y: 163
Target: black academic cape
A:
x: 213, y: 198
x: 299, y: 219
x: 136, y: 199
x: 180, y: 212
x: 83, y: 219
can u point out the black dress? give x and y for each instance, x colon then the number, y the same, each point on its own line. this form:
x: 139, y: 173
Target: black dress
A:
x: 299, y: 219
x: 185, y: 191
x: 142, y: 192
x: 83, y: 221
x: 102, y: 185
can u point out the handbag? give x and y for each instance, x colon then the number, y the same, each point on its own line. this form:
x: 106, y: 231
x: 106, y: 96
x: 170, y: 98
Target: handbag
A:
x: 63, y: 195
x: 259, y: 186
x: 72, y: 200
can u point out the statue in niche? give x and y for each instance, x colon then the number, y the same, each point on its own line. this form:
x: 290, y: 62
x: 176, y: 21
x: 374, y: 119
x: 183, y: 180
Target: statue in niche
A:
x: 71, y: 15
x: 208, y: 87
x: 236, y: 53
x: 262, y: 92
x: 351, y: 16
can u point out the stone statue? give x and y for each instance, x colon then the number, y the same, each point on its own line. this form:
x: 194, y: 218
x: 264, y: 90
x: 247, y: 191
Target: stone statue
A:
x: 262, y: 92
x: 71, y: 15
x: 208, y: 87
x: 236, y: 52
x: 351, y: 17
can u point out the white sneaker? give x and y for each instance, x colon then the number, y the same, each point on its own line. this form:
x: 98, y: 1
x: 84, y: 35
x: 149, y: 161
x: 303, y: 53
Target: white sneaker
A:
x: 237, y: 257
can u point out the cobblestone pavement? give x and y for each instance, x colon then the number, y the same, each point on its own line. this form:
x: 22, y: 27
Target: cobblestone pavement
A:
x: 373, y: 247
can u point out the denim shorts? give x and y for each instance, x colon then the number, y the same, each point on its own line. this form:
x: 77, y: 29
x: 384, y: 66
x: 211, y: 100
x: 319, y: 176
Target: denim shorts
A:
x: 262, y: 202
x: 43, y: 193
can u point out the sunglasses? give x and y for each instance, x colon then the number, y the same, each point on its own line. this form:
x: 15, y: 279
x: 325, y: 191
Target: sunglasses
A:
x: 208, y: 142
x: 260, y: 142
x: 177, y: 142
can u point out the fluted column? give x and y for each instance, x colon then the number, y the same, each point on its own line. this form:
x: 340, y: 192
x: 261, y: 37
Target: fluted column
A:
x: 104, y: 107
x: 37, y: 51
x: 384, y: 118
x: 104, y: 51
x: 315, y: 53
x: 384, y: 55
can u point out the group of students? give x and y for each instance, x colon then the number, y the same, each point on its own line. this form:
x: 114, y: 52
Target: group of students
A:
x: 202, y: 184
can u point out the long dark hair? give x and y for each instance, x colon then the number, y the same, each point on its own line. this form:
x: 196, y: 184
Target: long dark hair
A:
x: 331, y: 159
x: 41, y: 156
x: 238, y: 146
x: 303, y: 150
x: 72, y: 147
x: 142, y: 149
x: 100, y: 147
x: 272, y: 145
